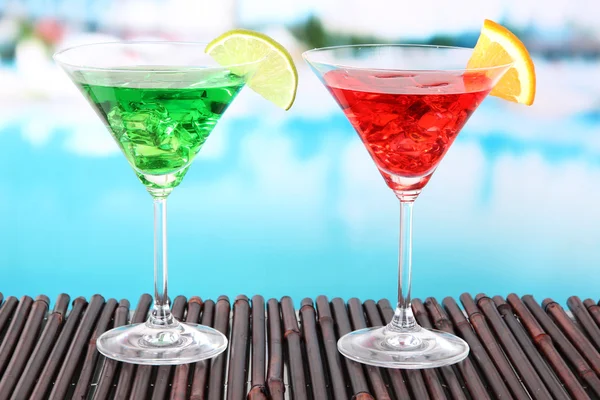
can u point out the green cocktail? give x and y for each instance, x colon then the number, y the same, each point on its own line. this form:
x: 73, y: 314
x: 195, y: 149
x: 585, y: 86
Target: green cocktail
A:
x: 160, y: 130
x: 160, y: 101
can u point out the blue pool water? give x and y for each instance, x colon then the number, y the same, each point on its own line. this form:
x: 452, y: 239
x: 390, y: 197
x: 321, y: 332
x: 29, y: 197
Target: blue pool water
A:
x: 290, y: 204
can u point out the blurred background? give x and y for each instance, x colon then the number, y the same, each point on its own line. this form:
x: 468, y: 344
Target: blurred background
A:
x: 289, y: 203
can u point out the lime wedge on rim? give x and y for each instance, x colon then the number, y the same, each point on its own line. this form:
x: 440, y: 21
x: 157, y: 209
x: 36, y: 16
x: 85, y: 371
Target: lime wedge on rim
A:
x: 276, y: 78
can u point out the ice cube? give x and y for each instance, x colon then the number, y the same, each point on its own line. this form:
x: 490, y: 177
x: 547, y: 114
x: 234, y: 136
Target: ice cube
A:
x: 166, y: 135
x: 435, y: 121
x: 140, y: 121
x: 114, y: 118
x: 157, y: 108
x: 199, y: 121
x: 140, y: 126
x: 403, y: 143
x: 415, y: 111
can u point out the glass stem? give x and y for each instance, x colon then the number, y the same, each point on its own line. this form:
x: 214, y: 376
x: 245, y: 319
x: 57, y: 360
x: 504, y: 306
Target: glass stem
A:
x: 161, y: 313
x: 404, y: 319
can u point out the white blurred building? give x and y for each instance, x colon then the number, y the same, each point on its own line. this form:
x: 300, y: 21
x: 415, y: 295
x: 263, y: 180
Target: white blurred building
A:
x: 170, y: 19
x: 195, y: 20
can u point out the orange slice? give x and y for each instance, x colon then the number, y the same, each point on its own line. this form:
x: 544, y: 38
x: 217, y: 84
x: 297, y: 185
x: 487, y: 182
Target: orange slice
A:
x: 498, y: 46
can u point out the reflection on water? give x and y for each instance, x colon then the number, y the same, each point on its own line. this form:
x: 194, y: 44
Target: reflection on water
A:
x: 290, y: 203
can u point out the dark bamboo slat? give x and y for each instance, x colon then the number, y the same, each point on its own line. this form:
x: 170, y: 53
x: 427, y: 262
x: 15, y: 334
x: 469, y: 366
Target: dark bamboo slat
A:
x: 417, y: 384
x: 24, y: 346
x: 333, y: 357
x: 358, y: 381
x: 216, y: 379
x: 431, y: 381
x: 414, y: 377
x: 468, y: 372
x: 62, y: 362
x: 584, y: 318
x: 477, y: 351
x: 163, y: 372
x: 450, y: 376
x: 110, y: 367
x: 386, y: 310
x: 293, y: 343
x: 6, y: 311
x: 38, y: 357
x: 567, y: 348
x: 528, y: 347
x: 56, y: 357
x: 201, y: 368
x: 81, y: 338
x: 593, y: 309
x: 258, y: 390
x: 397, y: 380
x: 573, y: 333
x: 518, y: 359
x: 238, y: 349
x: 15, y: 330
x: 182, y: 372
x: 1, y: 299
x: 91, y: 357
x: 313, y: 350
x: 128, y: 370
x: 377, y: 383
x: 275, y: 383
x: 546, y: 345
x: 493, y: 348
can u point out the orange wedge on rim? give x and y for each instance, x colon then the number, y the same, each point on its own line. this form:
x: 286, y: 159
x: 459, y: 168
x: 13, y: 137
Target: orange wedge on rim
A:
x: 498, y: 46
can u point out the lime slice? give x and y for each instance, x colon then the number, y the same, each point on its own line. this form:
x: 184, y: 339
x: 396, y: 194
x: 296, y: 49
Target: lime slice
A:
x: 276, y: 79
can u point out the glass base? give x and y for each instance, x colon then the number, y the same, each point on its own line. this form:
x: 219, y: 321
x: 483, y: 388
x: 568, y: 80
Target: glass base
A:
x: 414, y: 349
x: 179, y: 343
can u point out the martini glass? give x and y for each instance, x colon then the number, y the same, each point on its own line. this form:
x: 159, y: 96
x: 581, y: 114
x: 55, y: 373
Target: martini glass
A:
x: 160, y: 101
x: 407, y: 103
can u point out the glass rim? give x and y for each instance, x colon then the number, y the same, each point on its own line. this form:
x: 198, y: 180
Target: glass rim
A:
x: 145, y: 68
x: 307, y: 55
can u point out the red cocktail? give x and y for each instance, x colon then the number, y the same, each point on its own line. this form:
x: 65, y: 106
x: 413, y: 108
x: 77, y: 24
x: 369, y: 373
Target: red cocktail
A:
x: 407, y: 121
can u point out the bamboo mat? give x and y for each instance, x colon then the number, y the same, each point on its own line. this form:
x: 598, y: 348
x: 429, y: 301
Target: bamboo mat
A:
x: 519, y: 350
